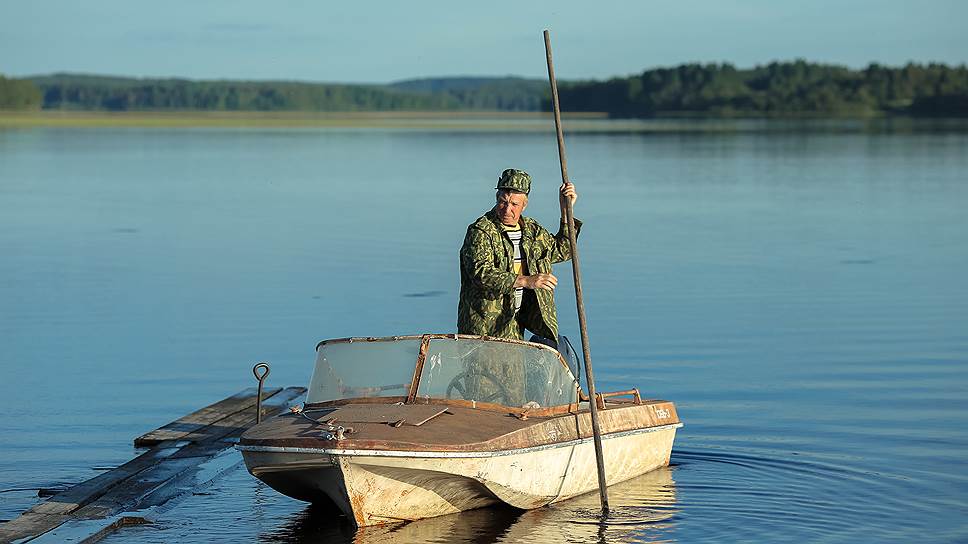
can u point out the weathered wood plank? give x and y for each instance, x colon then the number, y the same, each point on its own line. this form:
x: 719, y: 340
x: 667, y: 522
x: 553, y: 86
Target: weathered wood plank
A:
x: 30, y: 524
x: 85, y: 492
x: 136, y: 483
x: 201, y: 418
x: 88, y: 531
x: 236, y: 424
x: 135, y: 489
x: 121, y: 497
x: 198, y: 477
x: 160, y: 500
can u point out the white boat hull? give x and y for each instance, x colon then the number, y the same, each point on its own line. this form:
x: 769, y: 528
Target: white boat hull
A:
x: 380, y: 486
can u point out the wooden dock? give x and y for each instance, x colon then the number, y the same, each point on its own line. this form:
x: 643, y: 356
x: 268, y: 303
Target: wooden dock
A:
x: 122, y: 496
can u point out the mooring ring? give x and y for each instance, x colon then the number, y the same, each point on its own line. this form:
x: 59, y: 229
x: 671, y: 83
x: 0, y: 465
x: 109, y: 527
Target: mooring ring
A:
x: 255, y: 371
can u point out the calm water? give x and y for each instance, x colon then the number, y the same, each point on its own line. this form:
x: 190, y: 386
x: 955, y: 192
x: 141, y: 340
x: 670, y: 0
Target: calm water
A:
x: 801, y: 295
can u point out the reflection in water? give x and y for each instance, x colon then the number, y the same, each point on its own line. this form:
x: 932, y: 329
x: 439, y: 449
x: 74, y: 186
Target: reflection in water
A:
x: 642, y: 510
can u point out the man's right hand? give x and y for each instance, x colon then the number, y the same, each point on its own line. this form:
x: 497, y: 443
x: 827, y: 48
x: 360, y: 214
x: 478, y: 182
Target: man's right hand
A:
x: 537, y: 281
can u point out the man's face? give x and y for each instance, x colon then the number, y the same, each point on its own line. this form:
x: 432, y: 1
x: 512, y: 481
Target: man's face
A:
x: 510, y: 205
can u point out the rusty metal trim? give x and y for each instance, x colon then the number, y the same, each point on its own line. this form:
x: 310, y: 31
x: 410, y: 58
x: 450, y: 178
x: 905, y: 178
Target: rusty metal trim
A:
x: 437, y: 336
x: 634, y: 393
x: 352, y: 339
x: 451, y: 454
x: 550, y: 411
x: 359, y: 400
x: 418, y: 369
x: 546, y: 347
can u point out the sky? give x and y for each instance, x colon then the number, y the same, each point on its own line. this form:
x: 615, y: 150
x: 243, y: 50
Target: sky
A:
x: 380, y: 41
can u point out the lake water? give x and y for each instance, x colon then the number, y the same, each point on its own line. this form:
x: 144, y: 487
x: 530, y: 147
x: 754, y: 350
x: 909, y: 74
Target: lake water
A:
x: 800, y: 294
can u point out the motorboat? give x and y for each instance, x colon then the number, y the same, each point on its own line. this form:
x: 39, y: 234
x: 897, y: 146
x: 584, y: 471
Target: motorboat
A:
x: 402, y: 428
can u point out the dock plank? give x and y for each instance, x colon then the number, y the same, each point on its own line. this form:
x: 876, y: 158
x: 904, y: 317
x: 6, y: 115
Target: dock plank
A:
x: 29, y: 525
x: 131, y: 495
x: 200, y: 476
x: 81, y: 494
x: 141, y: 482
x: 237, y: 423
x: 88, y: 531
x: 127, y: 496
x: 203, y: 417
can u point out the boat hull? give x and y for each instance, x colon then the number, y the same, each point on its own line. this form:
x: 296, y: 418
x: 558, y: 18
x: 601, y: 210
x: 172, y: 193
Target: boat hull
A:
x: 379, y: 486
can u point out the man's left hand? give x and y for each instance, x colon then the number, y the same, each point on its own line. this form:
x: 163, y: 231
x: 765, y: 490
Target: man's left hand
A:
x: 567, y: 190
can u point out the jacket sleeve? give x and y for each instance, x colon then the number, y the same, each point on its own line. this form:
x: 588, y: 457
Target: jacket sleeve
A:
x: 558, y: 245
x: 477, y: 263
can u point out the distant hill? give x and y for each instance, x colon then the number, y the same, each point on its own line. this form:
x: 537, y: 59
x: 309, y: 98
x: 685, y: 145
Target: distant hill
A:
x: 19, y: 94
x: 776, y: 89
x: 484, y: 93
x: 91, y: 92
x: 782, y: 89
x: 464, y: 83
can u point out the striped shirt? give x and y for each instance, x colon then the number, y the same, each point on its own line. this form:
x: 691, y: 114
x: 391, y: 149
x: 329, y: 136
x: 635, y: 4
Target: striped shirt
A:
x: 514, y: 233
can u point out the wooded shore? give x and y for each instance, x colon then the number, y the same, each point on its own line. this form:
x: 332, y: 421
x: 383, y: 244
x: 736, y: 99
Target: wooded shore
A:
x: 778, y: 89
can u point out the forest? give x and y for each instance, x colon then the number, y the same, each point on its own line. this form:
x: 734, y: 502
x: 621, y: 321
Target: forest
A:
x: 777, y: 89
x: 19, y: 94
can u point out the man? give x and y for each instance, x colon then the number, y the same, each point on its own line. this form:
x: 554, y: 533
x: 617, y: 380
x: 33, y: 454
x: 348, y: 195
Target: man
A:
x: 506, y: 284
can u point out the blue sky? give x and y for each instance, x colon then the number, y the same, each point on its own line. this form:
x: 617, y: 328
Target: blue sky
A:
x: 379, y: 41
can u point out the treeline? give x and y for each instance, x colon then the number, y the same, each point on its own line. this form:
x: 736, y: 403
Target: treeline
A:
x: 777, y: 89
x: 702, y: 90
x: 84, y: 92
x: 80, y: 92
x: 483, y: 93
x: 19, y: 94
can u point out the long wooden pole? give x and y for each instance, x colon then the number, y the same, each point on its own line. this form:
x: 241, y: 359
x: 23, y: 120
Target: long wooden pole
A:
x: 576, y: 271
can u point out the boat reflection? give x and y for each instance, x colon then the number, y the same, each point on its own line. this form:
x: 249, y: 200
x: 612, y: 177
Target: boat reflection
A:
x: 641, y: 510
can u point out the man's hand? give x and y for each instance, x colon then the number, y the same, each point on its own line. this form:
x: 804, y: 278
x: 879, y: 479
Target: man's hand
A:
x: 537, y: 281
x: 567, y: 190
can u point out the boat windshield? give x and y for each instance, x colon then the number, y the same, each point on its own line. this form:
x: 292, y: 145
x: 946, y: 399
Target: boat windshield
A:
x: 495, y: 371
x: 365, y: 368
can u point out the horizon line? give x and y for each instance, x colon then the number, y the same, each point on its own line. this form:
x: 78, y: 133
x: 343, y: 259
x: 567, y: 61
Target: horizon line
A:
x: 472, y: 76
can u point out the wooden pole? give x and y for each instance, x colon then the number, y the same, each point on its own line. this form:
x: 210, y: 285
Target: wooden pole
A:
x: 576, y: 271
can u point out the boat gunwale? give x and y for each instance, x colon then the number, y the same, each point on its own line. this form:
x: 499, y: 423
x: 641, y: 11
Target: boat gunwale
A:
x: 550, y: 411
x: 431, y: 454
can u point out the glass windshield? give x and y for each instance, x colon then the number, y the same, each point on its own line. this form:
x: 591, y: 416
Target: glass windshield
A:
x: 498, y: 372
x: 379, y: 368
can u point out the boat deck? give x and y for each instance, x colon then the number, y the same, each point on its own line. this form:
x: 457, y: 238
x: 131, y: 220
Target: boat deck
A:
x: 444, y: 426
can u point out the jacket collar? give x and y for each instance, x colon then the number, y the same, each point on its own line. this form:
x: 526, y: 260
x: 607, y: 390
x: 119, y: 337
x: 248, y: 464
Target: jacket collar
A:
x: 524, y: 222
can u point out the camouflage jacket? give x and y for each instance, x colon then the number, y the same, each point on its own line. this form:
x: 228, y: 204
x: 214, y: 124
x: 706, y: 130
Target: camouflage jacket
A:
x: 486, y: 304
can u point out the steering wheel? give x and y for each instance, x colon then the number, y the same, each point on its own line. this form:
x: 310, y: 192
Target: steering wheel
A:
x: 502, y: 395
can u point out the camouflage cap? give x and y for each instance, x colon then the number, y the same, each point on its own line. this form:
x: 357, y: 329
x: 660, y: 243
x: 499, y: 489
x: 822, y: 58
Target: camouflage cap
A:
x: 515, y: 180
